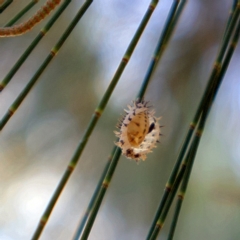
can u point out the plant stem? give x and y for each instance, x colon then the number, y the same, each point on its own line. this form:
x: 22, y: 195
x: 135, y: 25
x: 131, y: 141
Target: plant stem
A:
x: 169, y: 27
x: 21, y: 13
x: 221, y: 75
x: 172, y: 18
x: 193, y: 149
x: 96, y: 115
x: 184, y: 177
x: 90, y: 205
x: 70, y: 167
x: 105, y: 183
x: 211, y: 82
x: 101, y: 193
x: 165, y: 36
x: 34, y: 43
x: 48, y: 59
x: 234, y: 5
x: 5, y: 5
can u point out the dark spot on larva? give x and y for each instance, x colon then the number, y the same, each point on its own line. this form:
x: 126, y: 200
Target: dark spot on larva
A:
x: 137, y: 124
x: 137, y: 155
x: 129, y: 152
x: 125, y: 124
x: 122, y: 142
x: 151, y: 127
x: 134, y: 113
x: 130, y: 119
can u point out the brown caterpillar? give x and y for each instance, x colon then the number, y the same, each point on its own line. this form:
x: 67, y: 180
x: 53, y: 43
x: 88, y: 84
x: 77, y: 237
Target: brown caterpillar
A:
x: 139, y: 131
x: 30, y: 23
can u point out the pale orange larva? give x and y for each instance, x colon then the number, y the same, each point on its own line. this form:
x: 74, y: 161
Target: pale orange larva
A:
x: 139, y: 131
x: 24, y: 27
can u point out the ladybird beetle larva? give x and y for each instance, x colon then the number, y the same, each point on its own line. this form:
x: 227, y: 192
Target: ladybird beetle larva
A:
x: 139, y: 131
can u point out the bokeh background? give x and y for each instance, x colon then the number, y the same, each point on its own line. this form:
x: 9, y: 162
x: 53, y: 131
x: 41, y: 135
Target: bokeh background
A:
x: 39, y: 140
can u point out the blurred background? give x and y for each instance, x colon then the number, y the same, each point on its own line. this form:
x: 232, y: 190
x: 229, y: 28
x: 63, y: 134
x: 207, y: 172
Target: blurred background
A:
x: 40, y: 139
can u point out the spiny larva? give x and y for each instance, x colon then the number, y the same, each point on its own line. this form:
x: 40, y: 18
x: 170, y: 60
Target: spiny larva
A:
x: 139, y: 131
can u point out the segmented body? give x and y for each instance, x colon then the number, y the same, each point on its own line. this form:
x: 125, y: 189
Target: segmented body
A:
x: 29, y: 24
x: 139, y: 131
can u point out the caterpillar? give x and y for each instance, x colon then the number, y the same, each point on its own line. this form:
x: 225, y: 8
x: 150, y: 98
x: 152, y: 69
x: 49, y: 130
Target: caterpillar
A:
x: 30, y: 23
x: 139, y: 131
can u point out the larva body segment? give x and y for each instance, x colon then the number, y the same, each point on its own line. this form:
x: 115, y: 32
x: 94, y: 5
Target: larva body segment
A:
x: 137, y: 128
x: 139, y: 131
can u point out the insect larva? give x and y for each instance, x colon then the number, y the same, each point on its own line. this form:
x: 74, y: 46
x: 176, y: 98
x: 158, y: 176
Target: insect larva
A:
x: 139, y: 131
x: 30, y: 23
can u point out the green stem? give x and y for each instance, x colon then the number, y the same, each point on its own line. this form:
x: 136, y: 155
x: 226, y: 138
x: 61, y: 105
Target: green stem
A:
x: 34, y: 43
x: 111, y: 169
x: 185, y: 180
x: 229, y: 30
x: 130, y: 49
x: 161, y: 219
x: 96, y: 115
x: 170, y: 184
x: 186, y: 176
x: 181, y: 176
x: 175, y: 19
x: 70, y: 167
x: 90, y: 205
x: 5, y: 5
x: 199, y: 132
x: 21, y: 13
x: 214, y: 75
x: 217, y: 65
x: 221, y: 75
x: 172, y: 18
x: 101, y: 193
x: 165, y: 36
x: 51, y: 55
x: 234, y: 5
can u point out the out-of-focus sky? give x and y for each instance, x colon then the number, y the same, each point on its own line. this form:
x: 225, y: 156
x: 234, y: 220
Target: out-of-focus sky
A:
x: 41, y: 137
